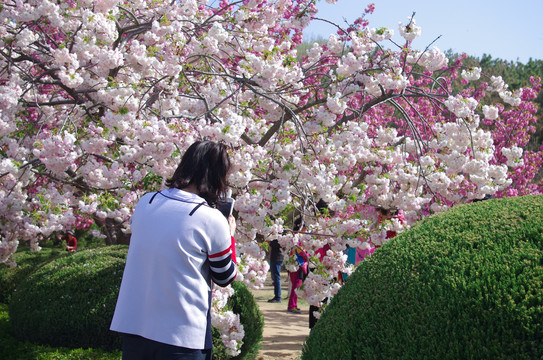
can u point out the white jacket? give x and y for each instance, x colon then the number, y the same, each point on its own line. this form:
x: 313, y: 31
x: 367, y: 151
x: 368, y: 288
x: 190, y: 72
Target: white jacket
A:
x: 178, y: 245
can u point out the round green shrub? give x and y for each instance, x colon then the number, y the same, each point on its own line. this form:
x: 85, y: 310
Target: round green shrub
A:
x: 27, y: 262
x: 463, y: 284
x: 11, y: 349
x: 70, y: 302
x: 244, y: 303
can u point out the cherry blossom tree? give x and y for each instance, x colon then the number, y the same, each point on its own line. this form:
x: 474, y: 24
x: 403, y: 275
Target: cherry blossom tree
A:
x: 100, y: 98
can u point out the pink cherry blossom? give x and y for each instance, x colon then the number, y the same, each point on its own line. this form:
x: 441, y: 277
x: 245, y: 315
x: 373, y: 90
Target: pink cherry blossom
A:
x: 103, y: 97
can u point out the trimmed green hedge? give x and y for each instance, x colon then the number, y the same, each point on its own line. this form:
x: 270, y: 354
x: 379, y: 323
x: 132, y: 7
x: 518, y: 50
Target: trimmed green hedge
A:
x: 27, y: 262
x: 244, y: 303
x: 12, y: 349
x: 463, y: 284
x: 69, y: 302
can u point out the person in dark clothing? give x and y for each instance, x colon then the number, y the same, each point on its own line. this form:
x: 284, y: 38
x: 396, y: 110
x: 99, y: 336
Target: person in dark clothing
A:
x: 322, y: 207
x: 276, y: 261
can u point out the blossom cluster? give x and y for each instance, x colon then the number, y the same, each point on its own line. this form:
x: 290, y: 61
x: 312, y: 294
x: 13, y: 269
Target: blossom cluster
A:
x: 226, y: 322
x: 102, y: 98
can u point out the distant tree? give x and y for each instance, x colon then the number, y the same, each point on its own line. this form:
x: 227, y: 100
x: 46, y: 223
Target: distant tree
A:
x: 516, y: 75
x: 304, y: 47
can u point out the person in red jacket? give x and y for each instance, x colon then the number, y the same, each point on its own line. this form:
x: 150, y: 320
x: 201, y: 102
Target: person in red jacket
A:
x: 71, y: 242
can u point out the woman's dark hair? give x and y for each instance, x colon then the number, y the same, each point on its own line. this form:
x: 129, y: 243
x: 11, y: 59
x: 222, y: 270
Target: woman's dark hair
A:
x: 205, y: 165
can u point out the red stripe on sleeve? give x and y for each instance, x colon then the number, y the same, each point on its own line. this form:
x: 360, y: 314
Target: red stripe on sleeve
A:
x: 219, y: 253
x: 233, y: 247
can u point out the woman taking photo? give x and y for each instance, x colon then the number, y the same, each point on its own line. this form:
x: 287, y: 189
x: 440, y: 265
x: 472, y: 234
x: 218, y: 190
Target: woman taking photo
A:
x: 179, y: 244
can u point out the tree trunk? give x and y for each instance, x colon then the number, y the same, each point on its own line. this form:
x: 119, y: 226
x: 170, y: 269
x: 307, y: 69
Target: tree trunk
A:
x: 113, y: 231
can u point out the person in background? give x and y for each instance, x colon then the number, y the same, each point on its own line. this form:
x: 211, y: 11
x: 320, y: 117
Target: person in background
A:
x: 387, y: 215
x: 319, y: 254
x: 179, y: 244
x: 71, y: 241
x: 322, y: 207
x: 361, y: 254
x: 276, y: 261
x: 297, y: 277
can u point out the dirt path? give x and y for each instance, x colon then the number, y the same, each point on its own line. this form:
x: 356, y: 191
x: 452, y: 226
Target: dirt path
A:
x: 284, y: 333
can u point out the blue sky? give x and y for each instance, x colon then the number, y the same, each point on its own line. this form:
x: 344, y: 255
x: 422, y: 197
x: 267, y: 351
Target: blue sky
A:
x: 509, y: 30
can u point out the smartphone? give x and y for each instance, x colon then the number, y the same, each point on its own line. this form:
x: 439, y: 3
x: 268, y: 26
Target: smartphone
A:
x: 226, y: 207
